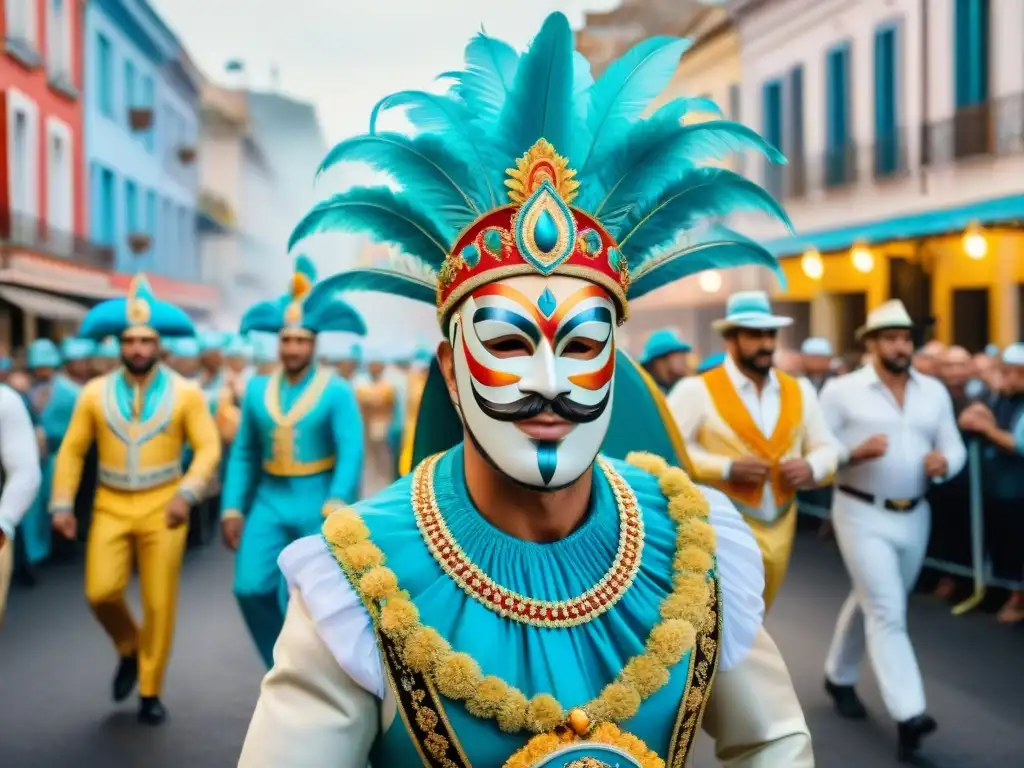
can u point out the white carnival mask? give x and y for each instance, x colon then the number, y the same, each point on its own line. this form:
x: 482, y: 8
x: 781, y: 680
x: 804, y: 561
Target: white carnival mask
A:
x: 526, y: 348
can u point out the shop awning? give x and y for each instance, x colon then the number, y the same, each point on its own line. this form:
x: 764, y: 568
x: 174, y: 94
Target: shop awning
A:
x: 1003, y: 210
x: 43, y: 305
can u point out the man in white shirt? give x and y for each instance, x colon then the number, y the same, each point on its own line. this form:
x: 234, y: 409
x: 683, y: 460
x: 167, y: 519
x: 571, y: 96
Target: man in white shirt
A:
x: 19, y: 465
x: 754, y: 431
x: 897, y: 434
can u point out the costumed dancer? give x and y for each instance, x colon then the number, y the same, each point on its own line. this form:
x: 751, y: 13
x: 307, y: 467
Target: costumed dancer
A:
x: 416, y: 380
x: 348, y: 363
x: 665, y: 358
x: 183, y: 356
x: 377, y: 396
x: 816, y: 365
x: 141, y: 417
x: 211, y: 364
x: 540, y: 623
x: 298, y: 452
x: 898, y: 435
x: 43, y: 361
x: 237, y: 362
x: 755, y: 432
x: 19, y: 457
x: 105, y: 357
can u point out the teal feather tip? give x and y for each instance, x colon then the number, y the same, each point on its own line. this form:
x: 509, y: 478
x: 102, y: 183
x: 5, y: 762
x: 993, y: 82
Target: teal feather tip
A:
x: 651, y: 179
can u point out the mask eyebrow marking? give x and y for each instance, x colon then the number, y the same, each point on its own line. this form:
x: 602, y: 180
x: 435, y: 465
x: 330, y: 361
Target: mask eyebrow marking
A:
x: 500, y: 314
x: 594, y: 314
x: 548, y: 325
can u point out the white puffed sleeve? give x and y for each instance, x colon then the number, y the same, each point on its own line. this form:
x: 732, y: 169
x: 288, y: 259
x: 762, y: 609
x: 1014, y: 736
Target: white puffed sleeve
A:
x: 741, y: 578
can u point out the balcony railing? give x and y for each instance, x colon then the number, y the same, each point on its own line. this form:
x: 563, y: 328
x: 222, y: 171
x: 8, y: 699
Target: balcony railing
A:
x: 840, y: 166
x: 994, y: 127
x: 890, y: 156
x: 30, y: 234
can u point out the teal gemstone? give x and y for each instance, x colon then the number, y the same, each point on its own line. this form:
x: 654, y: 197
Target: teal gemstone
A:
x: 614, y: 259
x: 492, y: 242
x: 471, y: 255
x: 591, y: 241
x: 546, y: 303
x: 545, y: 232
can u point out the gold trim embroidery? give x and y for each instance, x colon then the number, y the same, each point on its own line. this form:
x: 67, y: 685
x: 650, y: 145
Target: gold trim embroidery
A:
x: 306, y: 402
x: 592, y: 603
x: 458, y: 676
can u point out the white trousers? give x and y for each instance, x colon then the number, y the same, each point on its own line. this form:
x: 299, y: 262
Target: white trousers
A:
x: 883, y: 552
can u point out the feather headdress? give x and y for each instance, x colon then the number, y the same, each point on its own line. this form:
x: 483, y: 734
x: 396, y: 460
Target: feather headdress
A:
x: 303, y: 309
x: 529, y: 166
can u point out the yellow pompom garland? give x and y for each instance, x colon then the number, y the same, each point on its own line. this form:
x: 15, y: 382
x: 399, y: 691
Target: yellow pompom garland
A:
x: 458, y: 676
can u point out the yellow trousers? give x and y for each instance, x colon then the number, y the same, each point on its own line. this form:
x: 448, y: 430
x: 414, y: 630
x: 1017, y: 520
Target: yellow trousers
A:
x: 6, y: 568
x: 126, y: 529
x: 775, y: 540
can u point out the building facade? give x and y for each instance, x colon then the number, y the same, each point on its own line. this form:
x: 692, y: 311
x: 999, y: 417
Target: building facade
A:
x: 44, y: 252
x: 710, y: 68
x: 141, y: 119
x: 903, y: 123
x: 239, y: 208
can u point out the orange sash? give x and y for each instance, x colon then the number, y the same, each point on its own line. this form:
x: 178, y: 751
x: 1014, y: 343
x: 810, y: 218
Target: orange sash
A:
x: 734, y: 413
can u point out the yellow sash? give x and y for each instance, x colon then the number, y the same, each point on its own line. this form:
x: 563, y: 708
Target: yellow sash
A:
x: 772, y: 449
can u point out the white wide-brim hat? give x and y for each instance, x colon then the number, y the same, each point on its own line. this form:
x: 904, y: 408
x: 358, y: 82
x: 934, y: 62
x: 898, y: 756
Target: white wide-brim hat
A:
x: 891, y: 314
x: 750, y: 309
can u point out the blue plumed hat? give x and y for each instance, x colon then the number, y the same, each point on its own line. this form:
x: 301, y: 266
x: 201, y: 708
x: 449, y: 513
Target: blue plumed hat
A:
x: 528, y: 166
x: 662, y: 342
x: 77, y: 349
x: 139, y: 310
x: 212, y: 341
x: 303, y: 308
x: 43, y: 353
x: 108, y: 349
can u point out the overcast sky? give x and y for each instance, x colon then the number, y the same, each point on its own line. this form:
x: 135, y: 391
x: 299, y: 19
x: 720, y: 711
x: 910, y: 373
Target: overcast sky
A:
x: 344, y: 55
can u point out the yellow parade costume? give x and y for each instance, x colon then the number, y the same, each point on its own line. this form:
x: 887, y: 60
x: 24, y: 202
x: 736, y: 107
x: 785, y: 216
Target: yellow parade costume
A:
x: 141, y: 430
x: 714, y: 415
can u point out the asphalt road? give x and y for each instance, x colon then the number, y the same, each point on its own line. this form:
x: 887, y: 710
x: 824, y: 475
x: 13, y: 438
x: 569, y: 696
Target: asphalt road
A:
x: 55, y: 669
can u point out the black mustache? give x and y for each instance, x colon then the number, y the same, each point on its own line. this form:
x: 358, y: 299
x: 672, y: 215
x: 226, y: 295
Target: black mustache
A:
x: 534, y: 405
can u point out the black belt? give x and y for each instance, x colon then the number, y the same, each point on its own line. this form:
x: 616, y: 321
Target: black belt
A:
x: 893, y: 505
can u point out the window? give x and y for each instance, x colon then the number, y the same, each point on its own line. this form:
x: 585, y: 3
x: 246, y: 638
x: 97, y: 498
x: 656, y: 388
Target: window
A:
x: 151, y: 213
x: 148, y: 99
x: 185, y: 257
x: 107, y: 211
x: 58, y: 177
x: 839, y: 160
x: 771, y: 128
x: 971, y: 45
x: 793, y: 145
x: 21, y: 20
x: 169, y: 237
x: 131, y: 207
x: 129, y: 85
x: 105, y: 75
x: 21, y: 199
x: 887, y: 140
x: 58, y: 40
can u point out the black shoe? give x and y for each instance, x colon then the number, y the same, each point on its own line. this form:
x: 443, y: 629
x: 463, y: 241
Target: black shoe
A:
x: 845, y: 700
x: 125, y: 678
x: 151, y: 711
x: 910, y: 734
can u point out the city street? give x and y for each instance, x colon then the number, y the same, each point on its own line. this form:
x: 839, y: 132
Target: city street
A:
x: 55, y: 668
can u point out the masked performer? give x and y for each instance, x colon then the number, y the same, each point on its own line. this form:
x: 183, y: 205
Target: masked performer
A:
x: 536, y: 602
x: 141, y: 417
x: 298, y: 450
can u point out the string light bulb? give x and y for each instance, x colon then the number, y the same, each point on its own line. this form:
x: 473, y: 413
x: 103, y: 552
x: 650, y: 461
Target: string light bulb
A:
x: 974, y: 242
x: 812, y: 265
x: 863, y: 259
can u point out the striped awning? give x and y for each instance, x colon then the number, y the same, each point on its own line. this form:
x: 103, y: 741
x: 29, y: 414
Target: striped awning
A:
x: 43, y: 305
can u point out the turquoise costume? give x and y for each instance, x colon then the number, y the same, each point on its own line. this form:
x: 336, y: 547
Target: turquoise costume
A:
x: 35, y: 525
x: 496, y: 651
x: 298, y: 451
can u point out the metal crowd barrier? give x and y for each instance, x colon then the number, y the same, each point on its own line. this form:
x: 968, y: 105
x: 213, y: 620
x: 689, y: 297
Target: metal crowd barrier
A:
x: 980, y: 570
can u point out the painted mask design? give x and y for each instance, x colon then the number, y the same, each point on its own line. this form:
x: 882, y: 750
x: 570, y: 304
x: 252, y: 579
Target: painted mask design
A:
x: 534, y: 363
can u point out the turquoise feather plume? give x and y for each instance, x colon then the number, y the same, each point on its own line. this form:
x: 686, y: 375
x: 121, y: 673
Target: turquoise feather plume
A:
x: 703, y: 194
x: 624, y: 91
x: 324, y: 312
x: 386, y: 216
x: 716, y: 248
x: 646, y: 180
x: 540, y: 105
x: 443, y: 183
